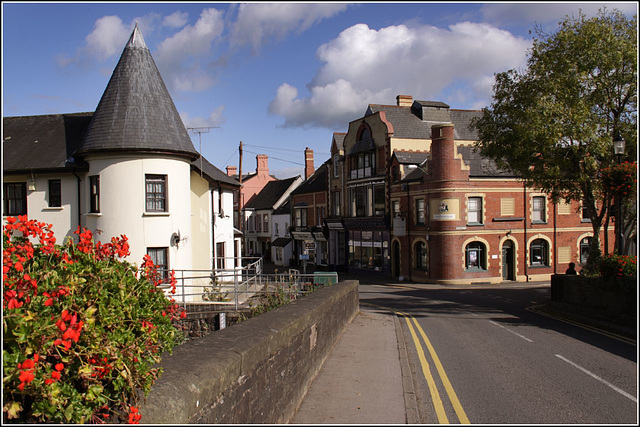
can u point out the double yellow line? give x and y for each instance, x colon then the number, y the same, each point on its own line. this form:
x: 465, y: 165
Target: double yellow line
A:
x: 426, y: 370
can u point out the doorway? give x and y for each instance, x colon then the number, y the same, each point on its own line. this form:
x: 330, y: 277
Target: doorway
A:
x: 396, y: 259
x: 508, y: 261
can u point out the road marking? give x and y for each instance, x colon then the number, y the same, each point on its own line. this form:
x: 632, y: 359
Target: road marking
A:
x: 605, y: 382
x: 457, y: 407
x: 507, y: 329
x: 435, y: 396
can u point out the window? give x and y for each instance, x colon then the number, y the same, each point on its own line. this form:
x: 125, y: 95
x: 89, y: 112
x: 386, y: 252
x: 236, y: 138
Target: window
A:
x: 336, y: 203
x: 474, y: 210
x: 395, y: 206
x: 286, y: 229
x: 420, y: 211
x: 539, y: 252
x: 301, y: 217
x: 156, y: 193
x: 395, y: 173
x: 358, y: 201
x: 160, y: 257
x: 265, y: 223
x: 539, y: 214
x: 259, y: 223
x: 220, y: 256
x: 378, y: 200
x: 475, y: 254
x: 586, y: 213
x: 279, y: 254
x: 55, y: 193
x: 94, y: 194
x: 320, y: 213
x: 276, y: 229
x: 362, y: 164
x: 336, y: 165
x: 421, y: 255
x: 584, y: 250
x: 15, y: 198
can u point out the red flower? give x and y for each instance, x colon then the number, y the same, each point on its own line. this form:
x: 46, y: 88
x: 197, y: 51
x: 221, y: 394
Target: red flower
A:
x: 55, y: 375
x: 59, y: 367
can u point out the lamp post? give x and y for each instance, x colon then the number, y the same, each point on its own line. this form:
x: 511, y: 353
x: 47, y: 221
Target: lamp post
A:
x: 618, y: 149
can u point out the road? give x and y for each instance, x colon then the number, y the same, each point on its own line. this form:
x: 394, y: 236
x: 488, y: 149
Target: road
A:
x: 480, y: 356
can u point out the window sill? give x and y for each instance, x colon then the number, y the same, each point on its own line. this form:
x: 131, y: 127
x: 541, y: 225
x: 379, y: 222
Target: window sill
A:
x: 93, y: 214
x: 156, y: 214
x: 539, y: 266
x: 475, y: 270
x: 538, y: 222
x: 52, y: 208
x: 475, y: 224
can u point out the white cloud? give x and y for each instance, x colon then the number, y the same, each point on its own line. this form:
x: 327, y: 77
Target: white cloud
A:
x: 259, y: 22
x: 108, y: 37
x: 176, y: 20
x: 214, y: 119
x: 181, y: 57
x: 421, y: 61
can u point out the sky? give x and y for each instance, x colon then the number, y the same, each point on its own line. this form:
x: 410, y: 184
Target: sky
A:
x: 278, y: 76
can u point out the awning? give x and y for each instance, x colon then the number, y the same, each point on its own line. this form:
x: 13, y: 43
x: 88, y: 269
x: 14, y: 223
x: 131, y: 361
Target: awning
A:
x: 334, y: 225
x: 281, y: 242
x: 302, y: 235
x: 319, y: 236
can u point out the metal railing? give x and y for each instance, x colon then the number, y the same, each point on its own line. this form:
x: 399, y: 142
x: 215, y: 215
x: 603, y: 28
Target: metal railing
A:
x: 232, y: 290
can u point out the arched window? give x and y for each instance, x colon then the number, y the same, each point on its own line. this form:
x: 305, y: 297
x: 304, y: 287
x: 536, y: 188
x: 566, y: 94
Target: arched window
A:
x: 475, y: 256
x: 365, y: 133
x: 539, y: 252
x: 421, y: 255
x: 584, y: 250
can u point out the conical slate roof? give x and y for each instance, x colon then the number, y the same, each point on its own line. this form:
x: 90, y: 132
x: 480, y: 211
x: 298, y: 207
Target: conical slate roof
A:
x: 136, y: 112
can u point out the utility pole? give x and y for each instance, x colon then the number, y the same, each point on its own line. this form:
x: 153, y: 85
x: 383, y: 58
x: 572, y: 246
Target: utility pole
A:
x: 200, y: 131
x: 240, y: 204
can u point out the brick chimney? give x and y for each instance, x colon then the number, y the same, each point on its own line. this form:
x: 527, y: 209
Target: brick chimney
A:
x: 309, y: 168
x: 262, y: 165
x: 404, y: 100
x: 232, y: 170
x: 444, y: 165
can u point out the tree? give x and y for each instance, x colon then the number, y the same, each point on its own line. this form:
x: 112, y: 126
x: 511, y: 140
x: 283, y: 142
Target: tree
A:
x: 554, y: 123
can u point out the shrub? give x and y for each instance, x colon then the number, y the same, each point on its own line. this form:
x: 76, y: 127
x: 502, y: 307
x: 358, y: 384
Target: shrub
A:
x: 83, y: 329
x: 618, y: 266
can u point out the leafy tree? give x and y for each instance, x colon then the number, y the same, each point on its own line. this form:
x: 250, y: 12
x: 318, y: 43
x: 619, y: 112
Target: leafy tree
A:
x: 554, y: 123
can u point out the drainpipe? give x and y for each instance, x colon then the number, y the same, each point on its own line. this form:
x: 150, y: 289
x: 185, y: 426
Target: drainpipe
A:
x: 555, y: 240
x: 524, y: 206
x: 79, y: 198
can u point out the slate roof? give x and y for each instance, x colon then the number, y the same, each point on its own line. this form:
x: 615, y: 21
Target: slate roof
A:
x: 270, y: 194
x: 339, y: 138
x: 212, y: 172
x: 136, y: 112
x: 415, y: 122
x: 316, y: 182
x: 285, y: 209
x: 480, y: 166
x: 410, y: 157
x: 43, y: 143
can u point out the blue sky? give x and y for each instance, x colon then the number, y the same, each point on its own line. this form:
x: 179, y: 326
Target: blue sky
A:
x: 278, y: 76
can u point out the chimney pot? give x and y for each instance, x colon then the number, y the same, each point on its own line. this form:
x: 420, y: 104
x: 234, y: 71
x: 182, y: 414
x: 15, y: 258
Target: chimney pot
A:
x: 404, y: 100
x: 232, y: 170
x: 309, y: 167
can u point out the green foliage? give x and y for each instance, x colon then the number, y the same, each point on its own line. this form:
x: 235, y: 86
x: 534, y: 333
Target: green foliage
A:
x: 83, y: 329
x: 214, y: 293
x: 618, y: 266
x: 553, y: 124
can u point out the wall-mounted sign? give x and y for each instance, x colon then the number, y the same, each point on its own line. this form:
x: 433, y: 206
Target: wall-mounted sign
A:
x: 444, y: 209
x: 301, y: 235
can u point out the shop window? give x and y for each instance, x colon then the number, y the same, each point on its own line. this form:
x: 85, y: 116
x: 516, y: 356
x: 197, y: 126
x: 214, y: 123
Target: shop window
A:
x: 420, y: 251
x: 15, y: 198
x: 539, y: 253
x: 475, y: 257
x: 539, y: 210
x: 474, y: 212
x: 55, y: 193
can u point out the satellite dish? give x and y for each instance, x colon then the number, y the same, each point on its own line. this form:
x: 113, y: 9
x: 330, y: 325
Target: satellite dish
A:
x: 175, y: 239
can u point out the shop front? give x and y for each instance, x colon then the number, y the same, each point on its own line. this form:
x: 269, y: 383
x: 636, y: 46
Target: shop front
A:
x: 368, y: 244
x: 336, y: 244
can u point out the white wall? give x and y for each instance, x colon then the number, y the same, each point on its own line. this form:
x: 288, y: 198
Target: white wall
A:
x: 283, y: 221
x: 122, y: 205
x: 223, y: 225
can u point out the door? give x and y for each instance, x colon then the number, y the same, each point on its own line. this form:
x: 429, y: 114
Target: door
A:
x: 396, y: 259
x: 508, y: 262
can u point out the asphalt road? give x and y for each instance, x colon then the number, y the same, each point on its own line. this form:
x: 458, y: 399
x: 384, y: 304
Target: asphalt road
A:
x: 478, y: 355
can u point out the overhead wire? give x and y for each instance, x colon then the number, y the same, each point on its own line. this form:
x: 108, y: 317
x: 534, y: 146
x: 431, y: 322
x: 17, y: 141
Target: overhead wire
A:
x: 282, y: 160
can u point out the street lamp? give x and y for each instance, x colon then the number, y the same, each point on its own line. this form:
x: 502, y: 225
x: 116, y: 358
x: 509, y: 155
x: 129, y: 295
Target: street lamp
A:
x: 618, y: 149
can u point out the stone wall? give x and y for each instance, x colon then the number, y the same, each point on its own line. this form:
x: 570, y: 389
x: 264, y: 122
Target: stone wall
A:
x: 257, y: 371
x: 614, y: 301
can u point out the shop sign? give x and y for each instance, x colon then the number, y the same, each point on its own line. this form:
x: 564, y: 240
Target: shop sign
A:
x: 302, y: 235
x: 310, y: 246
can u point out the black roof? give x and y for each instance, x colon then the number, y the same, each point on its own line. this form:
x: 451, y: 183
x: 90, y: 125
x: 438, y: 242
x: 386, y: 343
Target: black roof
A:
x: 410, y: 157
x: 316, y: 182
x: 136, y: 112
x: 479, y: 167
x: 212, y: 172
x: 270, y: 194
x: 285, y: 209
x: 43, y: 143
